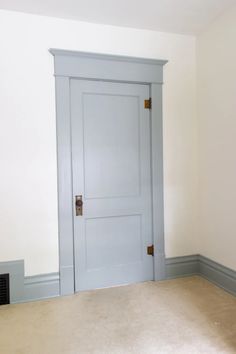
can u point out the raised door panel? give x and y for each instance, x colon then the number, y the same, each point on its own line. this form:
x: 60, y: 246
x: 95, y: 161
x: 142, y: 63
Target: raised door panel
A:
x: 111, y: 145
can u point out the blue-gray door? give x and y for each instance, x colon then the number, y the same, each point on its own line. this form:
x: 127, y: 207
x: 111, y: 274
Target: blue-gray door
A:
x: 111, y: 171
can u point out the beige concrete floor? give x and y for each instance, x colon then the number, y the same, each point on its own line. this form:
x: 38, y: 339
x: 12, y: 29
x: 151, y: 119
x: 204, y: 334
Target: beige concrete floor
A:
x: 188, y: 315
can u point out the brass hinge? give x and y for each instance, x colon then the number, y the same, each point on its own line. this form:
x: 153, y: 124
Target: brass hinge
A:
x: 148, y: 103
x: 150, y: 250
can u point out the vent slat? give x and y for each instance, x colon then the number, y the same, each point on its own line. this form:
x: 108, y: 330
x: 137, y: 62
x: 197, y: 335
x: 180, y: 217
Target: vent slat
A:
x: 4, y: 289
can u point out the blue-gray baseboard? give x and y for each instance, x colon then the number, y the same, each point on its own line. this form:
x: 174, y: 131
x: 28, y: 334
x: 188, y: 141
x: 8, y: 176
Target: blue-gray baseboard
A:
x: 182, y: 266
x: 200, y: 265
x: 23, y: 289
x: 38, y: 287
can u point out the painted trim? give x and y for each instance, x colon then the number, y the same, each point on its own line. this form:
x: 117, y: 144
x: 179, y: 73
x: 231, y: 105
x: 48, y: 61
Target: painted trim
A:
x: 107, y: 67
x: 182, y: 266
x: 65, y: 196
x: 39, y: 287
x: 101, y: 56
x: 16, y: 275
x: 44, y: 286
x: 157, y: 182
x: 89, y: 66
x: 218, y: 274
x: 199, y: 265
x: 23, y: 289
x: 47, y: 285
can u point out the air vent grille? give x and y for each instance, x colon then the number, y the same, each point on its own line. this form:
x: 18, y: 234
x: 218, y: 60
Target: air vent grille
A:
x: 4, y: 289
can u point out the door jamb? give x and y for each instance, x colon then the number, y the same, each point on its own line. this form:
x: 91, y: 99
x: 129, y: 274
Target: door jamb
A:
x: 70, y: 64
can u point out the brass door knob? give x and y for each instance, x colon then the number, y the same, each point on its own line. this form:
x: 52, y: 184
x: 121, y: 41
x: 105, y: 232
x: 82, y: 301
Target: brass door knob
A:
x: 79, y: 203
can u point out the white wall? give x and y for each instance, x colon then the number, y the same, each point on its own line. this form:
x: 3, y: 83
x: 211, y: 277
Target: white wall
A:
x: 216, y: 50
x: 28, y: 202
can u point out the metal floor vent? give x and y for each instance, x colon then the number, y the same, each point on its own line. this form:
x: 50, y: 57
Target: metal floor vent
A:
x: 4, y: 289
